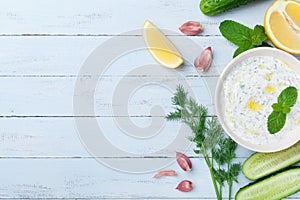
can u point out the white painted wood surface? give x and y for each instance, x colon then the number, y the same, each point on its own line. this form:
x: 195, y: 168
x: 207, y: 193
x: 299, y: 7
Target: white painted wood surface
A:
x: 43, y: 46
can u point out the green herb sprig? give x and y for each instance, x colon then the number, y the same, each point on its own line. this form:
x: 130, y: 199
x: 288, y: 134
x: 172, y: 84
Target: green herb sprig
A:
x: 285, y: 101
x: 217, y: 150
x: 242, y: 36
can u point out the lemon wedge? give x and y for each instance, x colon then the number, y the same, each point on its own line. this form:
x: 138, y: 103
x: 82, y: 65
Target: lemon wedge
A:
x: 282, y: 25
x: 160, y: 47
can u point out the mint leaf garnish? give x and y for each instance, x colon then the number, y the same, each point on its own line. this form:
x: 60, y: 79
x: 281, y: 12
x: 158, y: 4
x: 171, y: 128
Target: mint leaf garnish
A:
x: 281, y: 108
x: 277, y: 107
x: 242, y: 36
x: 286, y: 100
x: 258, y: 35
x: 241, y: 49
x: 235, y: 32
x: 288, y: 96
x: 286, y: 109
x: 276, y: 121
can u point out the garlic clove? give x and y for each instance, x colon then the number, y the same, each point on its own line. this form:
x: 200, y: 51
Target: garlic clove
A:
x: 203, y: 61
x: 165, y: 173
x: 191, y: 28
x: 183, y: 161
x: 185, y: 186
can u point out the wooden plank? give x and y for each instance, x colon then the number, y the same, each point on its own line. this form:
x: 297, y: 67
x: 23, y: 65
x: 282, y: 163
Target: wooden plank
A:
x: 51, y: 56
x: 86, y: 178
x: 58, y: 138
x: 112, y: 17
x: 53, y: 96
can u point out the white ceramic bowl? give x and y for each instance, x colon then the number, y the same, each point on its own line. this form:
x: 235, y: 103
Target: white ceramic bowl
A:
x: 285, y: 142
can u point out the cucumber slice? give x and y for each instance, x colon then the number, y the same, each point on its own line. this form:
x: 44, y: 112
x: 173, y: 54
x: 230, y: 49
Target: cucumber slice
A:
x: 259, y: 165
x: 274, y: 187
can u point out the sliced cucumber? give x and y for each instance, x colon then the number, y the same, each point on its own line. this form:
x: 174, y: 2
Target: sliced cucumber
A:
x: 259, y: 165
x: 274, y: 187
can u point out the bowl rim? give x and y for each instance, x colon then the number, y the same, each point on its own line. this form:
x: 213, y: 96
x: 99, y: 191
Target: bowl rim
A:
x: 260, y: 51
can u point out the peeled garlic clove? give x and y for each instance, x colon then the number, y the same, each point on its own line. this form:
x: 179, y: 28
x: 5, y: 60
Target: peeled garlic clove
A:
x: 183, y: 161
x: 165, y: 173
x: 185, y: 186
x: 191, y: 28
x: 203, y: 61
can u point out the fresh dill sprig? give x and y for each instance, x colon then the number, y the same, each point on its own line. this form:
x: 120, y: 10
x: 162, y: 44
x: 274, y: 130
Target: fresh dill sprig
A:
x: 224, y: 153
x: 217, y: 150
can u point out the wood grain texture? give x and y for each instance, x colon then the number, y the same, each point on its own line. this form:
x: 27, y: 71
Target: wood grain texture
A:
x: 43, y: 46
x: 86, y: 178
x: 57, y: 137
x: 100, y: 17
x: 36, y: 95
x: 32, y: 56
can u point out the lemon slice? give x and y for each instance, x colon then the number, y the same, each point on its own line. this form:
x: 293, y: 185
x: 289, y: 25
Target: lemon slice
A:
x: 160, y: 47
x: 282, y: 25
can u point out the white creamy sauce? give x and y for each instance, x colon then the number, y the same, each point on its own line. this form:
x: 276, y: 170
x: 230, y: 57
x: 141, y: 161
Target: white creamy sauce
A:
x: 250, y: 90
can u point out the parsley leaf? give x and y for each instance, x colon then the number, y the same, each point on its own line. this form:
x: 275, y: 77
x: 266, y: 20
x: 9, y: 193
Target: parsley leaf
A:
x: 276, y: 121
x: 243, y: 36
x: 277, y: 118
x: 288, y: 96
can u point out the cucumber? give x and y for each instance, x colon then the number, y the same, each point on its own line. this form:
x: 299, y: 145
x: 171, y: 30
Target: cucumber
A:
x: 259, y: 165
x: 274, y: 187
x: 212, y: 7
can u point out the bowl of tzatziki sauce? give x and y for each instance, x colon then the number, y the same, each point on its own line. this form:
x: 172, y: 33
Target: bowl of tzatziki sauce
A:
x: 245, y: 92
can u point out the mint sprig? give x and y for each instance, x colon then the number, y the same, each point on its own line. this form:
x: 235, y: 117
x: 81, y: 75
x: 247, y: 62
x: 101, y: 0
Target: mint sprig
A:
x: 288, y: 96
x: 276, y: 121
x: 285, y: 101
x: 242, y: 36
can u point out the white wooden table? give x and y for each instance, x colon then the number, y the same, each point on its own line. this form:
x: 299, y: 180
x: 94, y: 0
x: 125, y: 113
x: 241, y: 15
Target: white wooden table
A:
x: 43, y: 47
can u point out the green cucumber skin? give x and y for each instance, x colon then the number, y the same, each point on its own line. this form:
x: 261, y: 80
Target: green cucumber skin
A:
x: 212, y: 7
x: 259, y: 165
x: 275, y: 187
